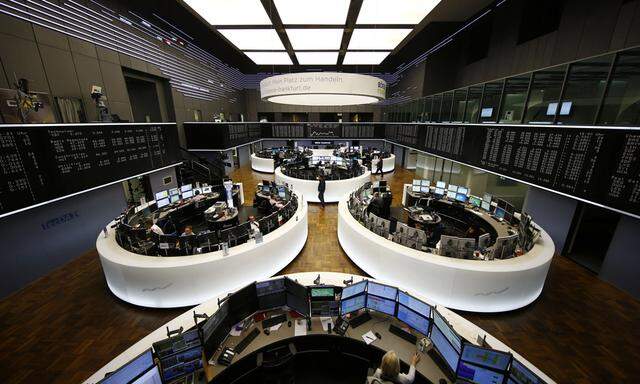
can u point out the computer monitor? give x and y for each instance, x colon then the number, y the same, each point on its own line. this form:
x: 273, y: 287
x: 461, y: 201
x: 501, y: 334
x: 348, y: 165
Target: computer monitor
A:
x: 415, y: 188
x: 352, y: 304
x: 150, y: 377
x: 484, y: 240
x: 322, y: 292
x: 448, y: 332
x: 270, y: 286
x: 298, y: 304
x: 487, y: 357
x: 414, y: 320
x: 162, y: 202
x: 131, y: 370
x: 380, y: 304
x: 487, y: 197
x: 174, y: 191
x: 186, y: 188
x: 382, y: 290
x: 475, y: 201
x: 439, y: 191
x: 187, y: 194
x: 461, y: 197
x: 486, y: 206
x: 499, y: 213
x: 162, y: 195
x: 426, y: 183
x: 243, y: 303
x: 452, y: 188
x: 519, y: 374
x: 471, y: 373
x: 502, y: 204
x: 551, y: 109
x: 445, y: 349
x: 206, y: 189
x: 486, y: 112
x: 451, y: 195
x: 424, y: 189
x: 565, y: 108
x: 174, y: 198
x: 463, y: 190
x: 414, y: 304
x: 354, y: 289
x: 441, y: 184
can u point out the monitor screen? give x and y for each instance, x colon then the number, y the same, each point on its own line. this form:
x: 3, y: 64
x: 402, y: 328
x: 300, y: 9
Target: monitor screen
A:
x: 565, y: 108
x: 351, y: 305
x: 243, y: 303
x: 206, y: 189
x: 451, y: 194
x: 381, y: 305
x: 269, y: 286
x: 452, y: 188
x: 439, y: 191
x: 162, y: 195
x: 412, y: 319
x: 502, y: 203
x: 174, y: 191
x: 441, y: 184
x: 551, y: 109
x: 174, y: 198
x: 464, y: 190
x: 462, y: 197
x: 486, y: 206
x: 440, y: 343
x: 486, y: 112
x: 326, y: 292
x: 162, y: 202
x: 487, y: 197
x: 382, y: 290
x: 523, y: 375
x: 424, y: 189
x: 415, y: 188
x: 414, y: 304
x: 298, y: 304
x: 487, y: 357
x: 499, y: 213
x: 131, y: 370
x: 416, y: 182
x: 354, y: 289
x: 475, y: 201
x: 185, y: 188
x: 447, y: 331
x: 151, y: 377
x: 478, y: 375
x: 426, y: 183
x: 187, y: 194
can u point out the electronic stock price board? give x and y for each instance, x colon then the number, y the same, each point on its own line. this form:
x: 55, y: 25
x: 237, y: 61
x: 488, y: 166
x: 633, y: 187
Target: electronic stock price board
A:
x: 596, y: 164
x: 40, y: 163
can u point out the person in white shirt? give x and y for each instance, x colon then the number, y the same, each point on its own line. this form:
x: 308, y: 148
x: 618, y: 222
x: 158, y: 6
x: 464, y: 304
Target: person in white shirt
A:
x: 153, y: 227
x: 389, y: 370
x: 253, y: 225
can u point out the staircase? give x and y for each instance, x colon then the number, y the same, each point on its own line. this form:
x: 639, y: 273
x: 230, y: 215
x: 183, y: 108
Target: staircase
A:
x: 195, y: 168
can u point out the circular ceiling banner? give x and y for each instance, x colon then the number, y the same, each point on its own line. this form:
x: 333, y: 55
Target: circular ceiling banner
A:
x: 323, y: 88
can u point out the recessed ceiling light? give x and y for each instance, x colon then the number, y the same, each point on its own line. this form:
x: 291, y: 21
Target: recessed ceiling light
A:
x: 313, y: 12
x: 395, y: 12
x: 377, y: 38
x: 317, y: 58
x: 262, y: 39
x: 315, y: 38
x: 234, y: 12
x: 364, y: 58
x: 269, y: 58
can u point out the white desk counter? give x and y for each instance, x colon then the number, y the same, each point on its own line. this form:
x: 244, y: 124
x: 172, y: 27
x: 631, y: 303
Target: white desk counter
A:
x: 167, y: 282
x: 465, y: 328
x: 335, y: 190
x: 468, y: 285
x: 261, y: 164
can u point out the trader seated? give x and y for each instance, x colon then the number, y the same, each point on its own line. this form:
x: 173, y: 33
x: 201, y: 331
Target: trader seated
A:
x: 153, y: 227
x: 376, y: 206
x: 188, y: 231
x: 389, y: 371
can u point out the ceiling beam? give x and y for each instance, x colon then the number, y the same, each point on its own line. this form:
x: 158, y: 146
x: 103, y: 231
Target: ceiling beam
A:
x: 352, y: 16
x: 271, y: 10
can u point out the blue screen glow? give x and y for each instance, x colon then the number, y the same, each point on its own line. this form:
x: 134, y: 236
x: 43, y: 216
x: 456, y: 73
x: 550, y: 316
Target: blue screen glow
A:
x: 412, y: 319
x: 445, y: 349
x: 382, y: 290
x: 381, y: 305
x: 353, y: 304
x: 487, y: 357
x: 411, y: 302
x: 354, y: 289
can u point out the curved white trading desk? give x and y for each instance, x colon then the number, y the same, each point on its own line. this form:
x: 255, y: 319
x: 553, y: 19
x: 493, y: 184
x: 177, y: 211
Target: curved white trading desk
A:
x: 465, y: 328
x: 336, y: 189
x: 168, y: 282
x: 468, y: 285
x: 388, y: 164
x: 261, y: 164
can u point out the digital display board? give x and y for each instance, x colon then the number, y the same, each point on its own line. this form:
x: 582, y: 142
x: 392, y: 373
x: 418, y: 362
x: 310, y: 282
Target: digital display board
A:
x: 44, y: 162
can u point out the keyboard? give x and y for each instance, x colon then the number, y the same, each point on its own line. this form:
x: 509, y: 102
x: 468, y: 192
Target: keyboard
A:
x: 275, y: 320
x: 401, y: 333
x: 358, y: 321
x: 244, y: 343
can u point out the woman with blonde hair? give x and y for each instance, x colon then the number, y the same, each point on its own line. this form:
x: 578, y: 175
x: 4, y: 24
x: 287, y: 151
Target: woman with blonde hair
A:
x: 389, y: 370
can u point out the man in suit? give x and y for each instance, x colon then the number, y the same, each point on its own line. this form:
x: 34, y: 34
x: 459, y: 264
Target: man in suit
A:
x: 322, y: 186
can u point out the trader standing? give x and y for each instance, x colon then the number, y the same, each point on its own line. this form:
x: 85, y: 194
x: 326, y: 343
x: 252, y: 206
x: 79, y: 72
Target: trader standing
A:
x: 379, y: 168
x: 322, y: 185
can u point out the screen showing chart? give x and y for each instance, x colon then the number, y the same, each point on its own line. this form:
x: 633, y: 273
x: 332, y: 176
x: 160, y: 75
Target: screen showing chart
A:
x: 352, y: 304
x: 354, y: 289
x: 447, y: 331
x: 486, y: 357
x: 520, y: 374
x: 322, y: 292
x: 382, y: 290
x: 411, y: 302
x: 440, y: 342
x: 381, y: 305
x: 412, y: 319
x: 478, y: 375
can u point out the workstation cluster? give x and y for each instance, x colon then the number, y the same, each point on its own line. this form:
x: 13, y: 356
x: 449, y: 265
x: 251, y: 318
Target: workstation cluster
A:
x: 267, y: 160
x: 282, y: 328
x: 368, y: 156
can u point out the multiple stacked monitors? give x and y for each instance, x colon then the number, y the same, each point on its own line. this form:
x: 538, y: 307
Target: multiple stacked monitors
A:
x: 482, y: 365
x: 164, y: 198
x: 414, y: 313
x: 420, y: 186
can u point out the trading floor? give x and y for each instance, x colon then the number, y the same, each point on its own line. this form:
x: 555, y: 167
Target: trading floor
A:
x: 57, y: 341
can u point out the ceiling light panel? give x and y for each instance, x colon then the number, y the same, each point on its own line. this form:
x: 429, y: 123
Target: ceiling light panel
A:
x: 234, y: 12
x: 364, y: 58
x: 269, y: 58
x: 395, y: 12
x: 259, y: 39
x: 315, y: 38
x: 377, y: 38
x: 313, y: 11
x: 317, y: 58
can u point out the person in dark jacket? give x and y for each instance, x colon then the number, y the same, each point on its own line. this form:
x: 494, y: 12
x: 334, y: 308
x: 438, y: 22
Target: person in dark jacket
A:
x: 322, y: 185
x: 379, y: 167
